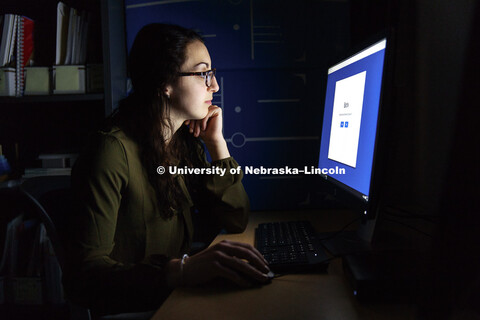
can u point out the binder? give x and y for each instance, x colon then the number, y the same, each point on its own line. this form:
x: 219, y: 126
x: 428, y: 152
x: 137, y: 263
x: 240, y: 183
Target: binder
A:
x: 8, y: 39
x: 7, y: 65
x: 16, y: 50
x: 82, y: 56
x: 25, y: 28
x: 72, y: 23
x: 63, y: 13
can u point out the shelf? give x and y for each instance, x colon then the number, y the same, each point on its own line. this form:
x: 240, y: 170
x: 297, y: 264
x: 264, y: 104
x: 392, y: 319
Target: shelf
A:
x: 40, y: 312
x: 53, y: 98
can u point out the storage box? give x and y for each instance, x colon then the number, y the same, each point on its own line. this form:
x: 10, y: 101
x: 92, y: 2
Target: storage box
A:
x: 37, y: 81
x: 69, y: 79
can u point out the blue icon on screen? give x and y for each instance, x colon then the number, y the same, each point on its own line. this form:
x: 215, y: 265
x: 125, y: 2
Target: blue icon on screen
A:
x: 346, y: 124
x: 341, y: 124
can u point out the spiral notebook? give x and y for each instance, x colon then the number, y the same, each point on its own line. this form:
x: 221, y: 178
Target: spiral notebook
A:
x: 16, y: 50
x: 25, y: 28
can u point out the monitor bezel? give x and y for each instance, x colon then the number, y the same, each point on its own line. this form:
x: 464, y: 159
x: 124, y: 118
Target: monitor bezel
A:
x: 352, y: 198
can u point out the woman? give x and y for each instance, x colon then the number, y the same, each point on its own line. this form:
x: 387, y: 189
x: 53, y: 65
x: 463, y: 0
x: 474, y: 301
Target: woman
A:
x: 133, y: 227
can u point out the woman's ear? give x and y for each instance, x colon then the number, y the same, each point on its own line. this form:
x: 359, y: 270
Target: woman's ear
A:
x: 167, y: 91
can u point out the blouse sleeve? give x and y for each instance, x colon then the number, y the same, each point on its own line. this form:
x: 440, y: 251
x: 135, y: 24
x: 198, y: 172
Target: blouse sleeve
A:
x: 223, y: 199
x: 91, y: 277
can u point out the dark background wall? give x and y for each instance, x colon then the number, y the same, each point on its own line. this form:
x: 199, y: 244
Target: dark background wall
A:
x: 271, y: 59
x: 433, y: 168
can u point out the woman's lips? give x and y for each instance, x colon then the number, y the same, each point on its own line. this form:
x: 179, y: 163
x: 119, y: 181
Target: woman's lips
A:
x: 208, y: 102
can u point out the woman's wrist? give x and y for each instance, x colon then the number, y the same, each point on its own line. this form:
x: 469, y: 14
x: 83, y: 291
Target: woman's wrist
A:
x: 173, y: 274
x: 217, y: 149
x: 175, y: 271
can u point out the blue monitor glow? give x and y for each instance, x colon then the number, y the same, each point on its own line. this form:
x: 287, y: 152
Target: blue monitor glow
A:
x: 350, y: 121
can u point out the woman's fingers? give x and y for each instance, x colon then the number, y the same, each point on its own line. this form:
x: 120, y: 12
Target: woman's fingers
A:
x: 235, y: 277
x: 213, y: 111
x: 246, y: 246
x: 235, y: 261
x: 194, y: 127
x: 191, y: 125
x: 249, y: 247
x: 244, y: 252
x: 205, y: 120
x: 197, y: 128
x: 207, y: 265
x: 242, y: 268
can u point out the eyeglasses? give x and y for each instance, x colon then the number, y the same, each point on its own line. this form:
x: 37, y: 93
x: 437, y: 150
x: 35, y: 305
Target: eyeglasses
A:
x: 207, y: 75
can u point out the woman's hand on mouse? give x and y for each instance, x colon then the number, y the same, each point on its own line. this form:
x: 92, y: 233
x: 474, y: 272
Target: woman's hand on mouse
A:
x: 238, y: 262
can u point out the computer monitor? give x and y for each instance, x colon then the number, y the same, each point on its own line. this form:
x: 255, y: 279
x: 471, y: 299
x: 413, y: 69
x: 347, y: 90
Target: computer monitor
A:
x: 349, y: 147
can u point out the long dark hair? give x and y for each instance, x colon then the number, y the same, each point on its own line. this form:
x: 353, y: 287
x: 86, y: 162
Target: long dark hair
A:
x: 158, y: 52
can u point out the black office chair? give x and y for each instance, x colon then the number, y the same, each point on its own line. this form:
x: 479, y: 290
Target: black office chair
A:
x: 16, y: 199
x: 33, y: 190
x: 53, y: 199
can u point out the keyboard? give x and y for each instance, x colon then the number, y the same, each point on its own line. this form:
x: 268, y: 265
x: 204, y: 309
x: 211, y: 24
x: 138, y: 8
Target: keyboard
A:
x: 291, y: 247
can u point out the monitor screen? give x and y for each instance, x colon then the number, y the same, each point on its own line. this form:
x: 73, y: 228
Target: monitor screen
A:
x: 351, y: 112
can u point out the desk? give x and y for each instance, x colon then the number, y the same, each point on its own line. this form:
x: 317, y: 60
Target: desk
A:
x: 304, y: 296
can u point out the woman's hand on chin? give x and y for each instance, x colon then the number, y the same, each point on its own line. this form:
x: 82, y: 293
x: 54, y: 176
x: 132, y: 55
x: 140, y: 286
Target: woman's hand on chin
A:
x: 209, y: 129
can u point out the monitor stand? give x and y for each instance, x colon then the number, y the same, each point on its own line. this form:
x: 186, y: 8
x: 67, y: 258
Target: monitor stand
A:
x: 349, y: 242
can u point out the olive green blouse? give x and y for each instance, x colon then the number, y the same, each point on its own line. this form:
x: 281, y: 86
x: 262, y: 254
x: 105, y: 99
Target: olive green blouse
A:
x: 120, y: 243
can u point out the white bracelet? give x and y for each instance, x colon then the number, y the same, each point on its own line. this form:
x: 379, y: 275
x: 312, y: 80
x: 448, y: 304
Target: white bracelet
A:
x: 182, y: 262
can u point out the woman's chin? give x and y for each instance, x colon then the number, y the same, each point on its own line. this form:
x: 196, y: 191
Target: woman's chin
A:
x: 198, y: 115
x: 202, y: 115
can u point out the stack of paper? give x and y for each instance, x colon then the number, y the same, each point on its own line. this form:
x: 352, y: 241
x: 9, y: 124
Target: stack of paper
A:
x: 72, y: 30
x: 71, y: 51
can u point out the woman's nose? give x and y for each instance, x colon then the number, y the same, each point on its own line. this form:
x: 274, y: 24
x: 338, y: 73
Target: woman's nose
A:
x: 214, y: 87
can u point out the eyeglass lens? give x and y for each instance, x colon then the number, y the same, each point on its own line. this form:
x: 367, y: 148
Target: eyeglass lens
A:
x: 209, y: 77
